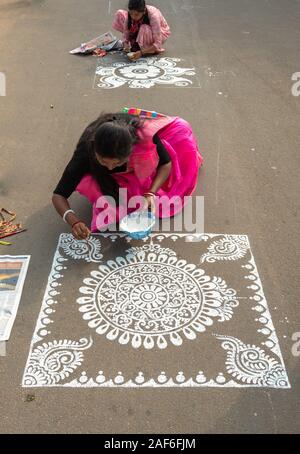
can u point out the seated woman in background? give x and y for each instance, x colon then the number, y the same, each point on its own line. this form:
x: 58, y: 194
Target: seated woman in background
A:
x: 155, y: 159
x: 144, y: 29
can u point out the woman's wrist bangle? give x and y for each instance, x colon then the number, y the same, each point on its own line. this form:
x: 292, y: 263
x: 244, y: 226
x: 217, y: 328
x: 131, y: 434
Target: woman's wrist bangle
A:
x: 66, y: 213
x: 77, y: 222
x: 150, y: 193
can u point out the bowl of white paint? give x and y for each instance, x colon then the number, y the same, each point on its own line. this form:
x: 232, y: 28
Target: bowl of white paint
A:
x: 138, y: 225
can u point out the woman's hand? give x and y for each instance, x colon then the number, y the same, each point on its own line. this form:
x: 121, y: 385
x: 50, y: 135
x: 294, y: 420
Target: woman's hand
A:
x: 126, y: 47
x: 135, y: 55
x: 149, y: 203
x: 80, y: 231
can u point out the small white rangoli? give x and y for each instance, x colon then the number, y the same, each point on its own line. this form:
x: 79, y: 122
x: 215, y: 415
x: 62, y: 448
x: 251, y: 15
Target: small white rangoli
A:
x: 144, y: 73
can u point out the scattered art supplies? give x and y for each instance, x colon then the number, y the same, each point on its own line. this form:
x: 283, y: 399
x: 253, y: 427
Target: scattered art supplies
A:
x: 142, y: 113
x: 106, y: 42
x: 99, y: 53
x: 7, y: 227
x: 13, y: 270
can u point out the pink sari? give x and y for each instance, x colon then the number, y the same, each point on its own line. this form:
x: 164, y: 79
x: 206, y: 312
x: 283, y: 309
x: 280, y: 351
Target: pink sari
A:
x: 154, y: 34
x: 177, y: 136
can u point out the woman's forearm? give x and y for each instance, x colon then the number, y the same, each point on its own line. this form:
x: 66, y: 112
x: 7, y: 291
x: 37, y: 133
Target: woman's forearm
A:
x: 161, y: 177
x: 62, y: 205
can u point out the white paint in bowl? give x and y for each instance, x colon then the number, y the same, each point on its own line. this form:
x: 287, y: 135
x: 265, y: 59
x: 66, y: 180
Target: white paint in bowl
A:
x: 137, y: 222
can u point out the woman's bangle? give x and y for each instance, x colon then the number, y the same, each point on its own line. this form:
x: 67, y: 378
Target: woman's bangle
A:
x: 66, y: 213
x: 150, y: 193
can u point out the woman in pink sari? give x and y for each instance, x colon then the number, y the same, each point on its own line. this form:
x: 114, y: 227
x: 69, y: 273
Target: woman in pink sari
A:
x: 154, y: 160
x: 144, y: 29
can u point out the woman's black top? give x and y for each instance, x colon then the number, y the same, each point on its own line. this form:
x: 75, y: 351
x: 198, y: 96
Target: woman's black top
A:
x: 80, y: 165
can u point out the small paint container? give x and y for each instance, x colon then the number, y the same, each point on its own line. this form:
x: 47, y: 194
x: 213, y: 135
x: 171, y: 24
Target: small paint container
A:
x: 138, y: 225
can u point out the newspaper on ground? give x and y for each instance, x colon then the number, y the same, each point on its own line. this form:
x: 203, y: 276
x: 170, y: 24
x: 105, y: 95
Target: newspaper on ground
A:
x: 106, y: 42
x: 13, y: 271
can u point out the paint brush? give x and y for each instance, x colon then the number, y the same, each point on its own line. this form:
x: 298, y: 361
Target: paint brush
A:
x: 4, y: 235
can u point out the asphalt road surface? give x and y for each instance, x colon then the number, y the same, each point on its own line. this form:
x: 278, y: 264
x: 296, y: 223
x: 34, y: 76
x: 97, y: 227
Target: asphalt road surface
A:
x: 247, y: 123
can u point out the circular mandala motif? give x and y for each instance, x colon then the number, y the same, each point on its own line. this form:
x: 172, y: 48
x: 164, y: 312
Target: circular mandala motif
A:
x: 140, y: 71
x: 149, y: 298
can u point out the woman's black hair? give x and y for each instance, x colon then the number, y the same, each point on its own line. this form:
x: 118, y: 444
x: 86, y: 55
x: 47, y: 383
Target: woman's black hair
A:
x: 138, y: 5
x: 110, y: 136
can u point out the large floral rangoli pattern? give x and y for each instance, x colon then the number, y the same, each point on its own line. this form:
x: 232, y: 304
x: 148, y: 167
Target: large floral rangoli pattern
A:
x: 151, y: 298
x: 170, y: 311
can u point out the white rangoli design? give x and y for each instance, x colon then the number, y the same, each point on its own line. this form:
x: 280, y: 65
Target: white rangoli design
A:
x: 81, y: 250
x: 250, y: 364
x: 230, y: 247
x: 150, y: 297
x: 54, y: 361
x: 144, y: 73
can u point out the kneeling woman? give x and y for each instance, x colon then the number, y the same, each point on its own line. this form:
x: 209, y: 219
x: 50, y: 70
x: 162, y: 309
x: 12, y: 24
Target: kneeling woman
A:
x: 157, y: 159
x: 144, y: 29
